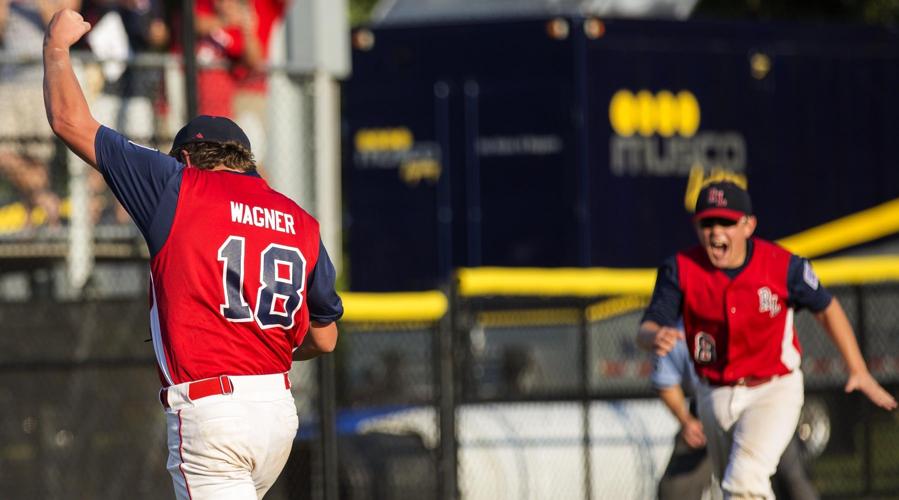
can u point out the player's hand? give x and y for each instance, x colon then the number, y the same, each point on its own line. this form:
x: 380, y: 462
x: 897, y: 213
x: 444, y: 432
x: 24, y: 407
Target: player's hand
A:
x: 65, y: 28
x: 665, y: 340
x: 693, y: 434
x: 878, y: 395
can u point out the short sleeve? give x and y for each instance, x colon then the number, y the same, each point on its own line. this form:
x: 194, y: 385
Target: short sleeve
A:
x: 667, y: 297
x: 805, y: 290
x: 324, y: 304
x: 145, y: 181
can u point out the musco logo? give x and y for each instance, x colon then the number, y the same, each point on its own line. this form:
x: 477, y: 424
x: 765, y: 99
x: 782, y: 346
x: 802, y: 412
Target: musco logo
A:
x: 704, y: 349
x: 659, y: 134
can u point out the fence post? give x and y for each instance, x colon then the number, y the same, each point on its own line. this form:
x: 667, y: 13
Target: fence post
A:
x: 585, y: 399
x: 447, y: 463
x: 188, y: 42
x: 867, y: 445
x: 80, y: 257
x: 327, y: 394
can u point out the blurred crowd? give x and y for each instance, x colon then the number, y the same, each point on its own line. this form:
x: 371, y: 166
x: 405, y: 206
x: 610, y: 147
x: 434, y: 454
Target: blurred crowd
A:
x: 232, y: 47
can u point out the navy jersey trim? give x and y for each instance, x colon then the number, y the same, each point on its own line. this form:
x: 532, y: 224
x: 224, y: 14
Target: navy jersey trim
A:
x: 324, y: 304
x: 145, y: 181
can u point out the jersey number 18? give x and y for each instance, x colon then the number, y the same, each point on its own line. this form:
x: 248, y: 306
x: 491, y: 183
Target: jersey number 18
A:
x: 282, y: 278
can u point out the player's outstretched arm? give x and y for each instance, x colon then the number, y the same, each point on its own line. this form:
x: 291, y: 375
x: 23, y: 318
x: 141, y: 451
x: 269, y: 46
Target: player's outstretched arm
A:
x: 834, y: 320
x: 320, y: 339
x: 657, y: 338
x: 67, y: 109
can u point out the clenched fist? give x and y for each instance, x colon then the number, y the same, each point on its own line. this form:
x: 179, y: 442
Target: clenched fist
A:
x: 65, y: 28
x: 665, y: 339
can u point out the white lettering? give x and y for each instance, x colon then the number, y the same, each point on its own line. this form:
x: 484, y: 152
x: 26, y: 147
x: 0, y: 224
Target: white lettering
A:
x: 266, y: 218
x: 236, y: 211
x: 675, y: 156
x: 288, y: 219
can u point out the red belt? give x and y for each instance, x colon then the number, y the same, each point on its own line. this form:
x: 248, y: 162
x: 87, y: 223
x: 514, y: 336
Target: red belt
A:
x: 208, y: 387
x: 744, y: 382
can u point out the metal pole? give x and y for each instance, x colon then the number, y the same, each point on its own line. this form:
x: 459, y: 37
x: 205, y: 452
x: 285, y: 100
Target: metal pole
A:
x: 80, y: 258
x: 585, y: 401
x: 444, y: 220
x: 289, y: 156
x: 327, y: 163
x: 473, y: 173
x: 868, y: 446
x: 190, y: 57
x: 328, y: 408
x: 447, y: 464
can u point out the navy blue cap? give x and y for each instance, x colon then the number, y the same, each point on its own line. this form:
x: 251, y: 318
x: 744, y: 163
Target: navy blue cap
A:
x: 205, y: 128
x: 724, y: 200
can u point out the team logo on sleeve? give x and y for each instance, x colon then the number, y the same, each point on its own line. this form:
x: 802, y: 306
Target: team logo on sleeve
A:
x: 704, y: 349
x: 809, y: 276
x: 768, y: 302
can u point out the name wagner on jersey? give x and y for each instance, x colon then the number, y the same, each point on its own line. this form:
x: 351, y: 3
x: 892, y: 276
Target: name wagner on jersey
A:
x: 262, y: 217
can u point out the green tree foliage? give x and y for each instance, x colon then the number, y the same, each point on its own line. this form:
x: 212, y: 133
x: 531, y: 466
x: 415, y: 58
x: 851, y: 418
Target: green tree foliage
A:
x: 884, y: 12
x: 360, y: 10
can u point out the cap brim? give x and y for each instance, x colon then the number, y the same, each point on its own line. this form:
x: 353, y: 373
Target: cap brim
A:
x: 720, y: 213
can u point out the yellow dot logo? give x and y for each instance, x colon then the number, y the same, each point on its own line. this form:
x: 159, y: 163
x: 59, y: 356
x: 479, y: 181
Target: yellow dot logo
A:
x: 647, y: 114
x: 384, y: 139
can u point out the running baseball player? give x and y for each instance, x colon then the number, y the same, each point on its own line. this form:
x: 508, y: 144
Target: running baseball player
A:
x: 689, y: 471
x: 737, y: 295
x: 240, y: 284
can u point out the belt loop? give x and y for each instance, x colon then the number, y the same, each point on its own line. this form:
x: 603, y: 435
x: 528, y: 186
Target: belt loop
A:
x: 286, y: 381
x: 223, y: 379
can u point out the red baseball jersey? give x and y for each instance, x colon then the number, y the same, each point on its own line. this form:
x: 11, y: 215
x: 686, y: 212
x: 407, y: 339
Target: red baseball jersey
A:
x: 743, y: 326
x: 229, y: 285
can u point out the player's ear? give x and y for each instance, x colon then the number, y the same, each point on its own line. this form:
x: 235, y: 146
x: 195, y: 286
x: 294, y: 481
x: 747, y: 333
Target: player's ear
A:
x: 749, y: 226
x: 186, y: 157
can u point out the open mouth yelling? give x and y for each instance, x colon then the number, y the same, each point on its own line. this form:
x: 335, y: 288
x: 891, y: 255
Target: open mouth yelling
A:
x: 718, y: 249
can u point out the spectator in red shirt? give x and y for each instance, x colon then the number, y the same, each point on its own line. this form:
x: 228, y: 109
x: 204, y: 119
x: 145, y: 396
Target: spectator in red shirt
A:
x: 226, y: 31
x: 237, y: 33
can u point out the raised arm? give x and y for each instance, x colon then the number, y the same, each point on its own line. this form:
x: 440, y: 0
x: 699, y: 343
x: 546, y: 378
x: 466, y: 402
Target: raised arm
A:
x: 67, y: 109
x: 834, y: 320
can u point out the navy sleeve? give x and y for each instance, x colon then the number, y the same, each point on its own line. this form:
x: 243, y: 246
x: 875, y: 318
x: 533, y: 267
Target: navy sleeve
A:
x: 804, y: 288
x: 325, y: 305
x: 667, y: 297
x: 145, y: 181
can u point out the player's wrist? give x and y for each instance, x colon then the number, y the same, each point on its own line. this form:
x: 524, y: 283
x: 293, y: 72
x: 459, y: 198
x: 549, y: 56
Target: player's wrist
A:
x: 55, y: 47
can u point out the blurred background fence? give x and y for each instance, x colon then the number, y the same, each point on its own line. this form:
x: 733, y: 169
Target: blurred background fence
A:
x: 501, y: 392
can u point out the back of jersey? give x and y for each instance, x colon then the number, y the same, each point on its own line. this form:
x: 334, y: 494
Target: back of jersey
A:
x: 229, y: 284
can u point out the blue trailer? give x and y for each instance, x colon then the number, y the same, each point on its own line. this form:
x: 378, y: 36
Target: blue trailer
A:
x: 580, y: 141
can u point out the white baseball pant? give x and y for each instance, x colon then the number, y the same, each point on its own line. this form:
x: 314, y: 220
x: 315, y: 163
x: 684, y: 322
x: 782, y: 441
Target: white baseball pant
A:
x: 230, y: 446
x: 748, y: 429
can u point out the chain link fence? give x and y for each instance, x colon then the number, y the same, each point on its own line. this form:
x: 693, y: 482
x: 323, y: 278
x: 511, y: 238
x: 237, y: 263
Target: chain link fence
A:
x: 83, y: 421
x: 545, y: 380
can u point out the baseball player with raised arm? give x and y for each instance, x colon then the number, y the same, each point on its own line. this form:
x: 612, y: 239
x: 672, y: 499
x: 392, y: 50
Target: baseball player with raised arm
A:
x: 737, y: 295
x: 240, y: 284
